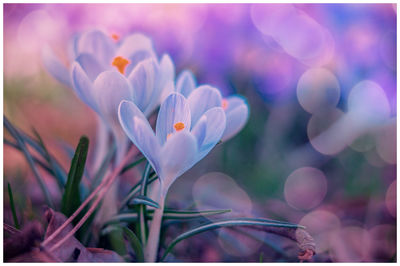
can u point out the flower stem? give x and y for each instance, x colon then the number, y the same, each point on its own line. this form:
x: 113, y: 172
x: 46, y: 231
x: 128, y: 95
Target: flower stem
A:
x: 150, y: 252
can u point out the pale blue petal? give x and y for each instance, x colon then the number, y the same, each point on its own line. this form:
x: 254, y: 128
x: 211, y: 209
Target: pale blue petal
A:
x: 138, y: 129
x: 167, y: 70
x: 177, y: 156
x: 135, y: 59
x: 202, y: 99
x: 133, y: 44
x: 54, y: 66
x: 173, y: 110
x: 110, y: 88
x: 90, y: 65
x: 186, y: 83
x: 216, y: 122
x: 73, y: 47
x: 101, y: 46
x: 83, y: 86
x: 143, y: 82
x: 200, y: 130
x: 237, y: 115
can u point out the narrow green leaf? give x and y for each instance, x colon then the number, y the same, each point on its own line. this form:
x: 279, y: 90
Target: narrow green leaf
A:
x: 168, y: 215
x: 142, y: 208
x: 224, y: 223
x: 131, y: 165
x: 71, y: 198
x: 135, y: 189
x: 57, y: 172
x: 261, y: 259
x: 21, y: 144
x: 14, y: 213
x: 135, y: 244
x: 144, y: 200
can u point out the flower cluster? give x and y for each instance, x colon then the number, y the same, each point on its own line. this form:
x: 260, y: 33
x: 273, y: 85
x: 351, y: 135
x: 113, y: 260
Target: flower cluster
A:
x: 124, y: 82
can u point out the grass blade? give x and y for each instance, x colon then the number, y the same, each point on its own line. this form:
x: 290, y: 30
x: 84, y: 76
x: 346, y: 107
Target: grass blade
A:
x: 135, y: 189
x: 135, y: 244
x: 142, y: 208
x: 58, y: 173
x: 168, y: 215
x: 71, y: 198
x: 14, y: 213
x: 144, y: 200
x: 131, y: 165
x: 28, y: 157
x: 224, y: 223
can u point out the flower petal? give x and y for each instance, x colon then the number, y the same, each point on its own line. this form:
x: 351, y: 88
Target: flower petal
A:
x: 202, y: 99
x: 143, y: 82
x: 83, y: 86
x: 134, y: 43
x: 173, y: 110
x: 200, y: 130
x: 98, y: 44
x: 177, y: 156
x: 135, y: 59
x: 186, y: 83
x: 90, y: 65
x: 237, y: 115
x: 216, y: 122
x: 140, y: 132
x: 167, y: 69
x: 110, y: 88
x: 55, y: 67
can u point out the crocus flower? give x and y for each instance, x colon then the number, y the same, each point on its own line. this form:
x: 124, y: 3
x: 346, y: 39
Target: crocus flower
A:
x: 235, y: 106
x: 185, y: 132
x: 106, y: 71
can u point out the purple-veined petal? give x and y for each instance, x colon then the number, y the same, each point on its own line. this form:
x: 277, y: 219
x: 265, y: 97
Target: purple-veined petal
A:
x: 90, y: 65
x: 98, y: 44
x: 237, y: 114
x: 202, y: 99
x: 142, y: 79
x: 177, y: 155
x: 138, y: 129
x: 200, y: 130
x: 186, y: 83
x: 173, y: 110
x: 216, y: 122
x: 83, y: 86
x: 54, y: 66
x: 110, y: 88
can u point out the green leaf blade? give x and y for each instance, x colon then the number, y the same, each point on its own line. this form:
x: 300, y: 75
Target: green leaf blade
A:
x: 71, y: 197
x: 13, y: 210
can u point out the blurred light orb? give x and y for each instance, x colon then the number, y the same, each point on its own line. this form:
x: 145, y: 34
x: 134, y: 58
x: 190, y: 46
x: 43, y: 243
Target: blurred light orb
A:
x: 216, y: 191
x: 374, y: 159
x: 390, y: 199
x: 383, y: 242
x: 350, y: 244
x: 320, y: 224
x: 367, y: 104
x: 305, y: 188
x: 238, y: 244
x: 323, y: 137
x: 267, y: 18
x: 386, y: 143
x: 318, y: 89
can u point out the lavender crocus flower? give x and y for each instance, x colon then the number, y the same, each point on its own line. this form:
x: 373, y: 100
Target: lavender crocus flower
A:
x: 235, y: 106
x: 105, y: 72
x: 184, y: 134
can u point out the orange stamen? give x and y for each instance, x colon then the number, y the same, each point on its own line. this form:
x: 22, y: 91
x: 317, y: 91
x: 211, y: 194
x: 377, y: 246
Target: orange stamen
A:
x: 120, y: 63
x: 115, y: 37
x: 179, y: 126
x: 224, y: 104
